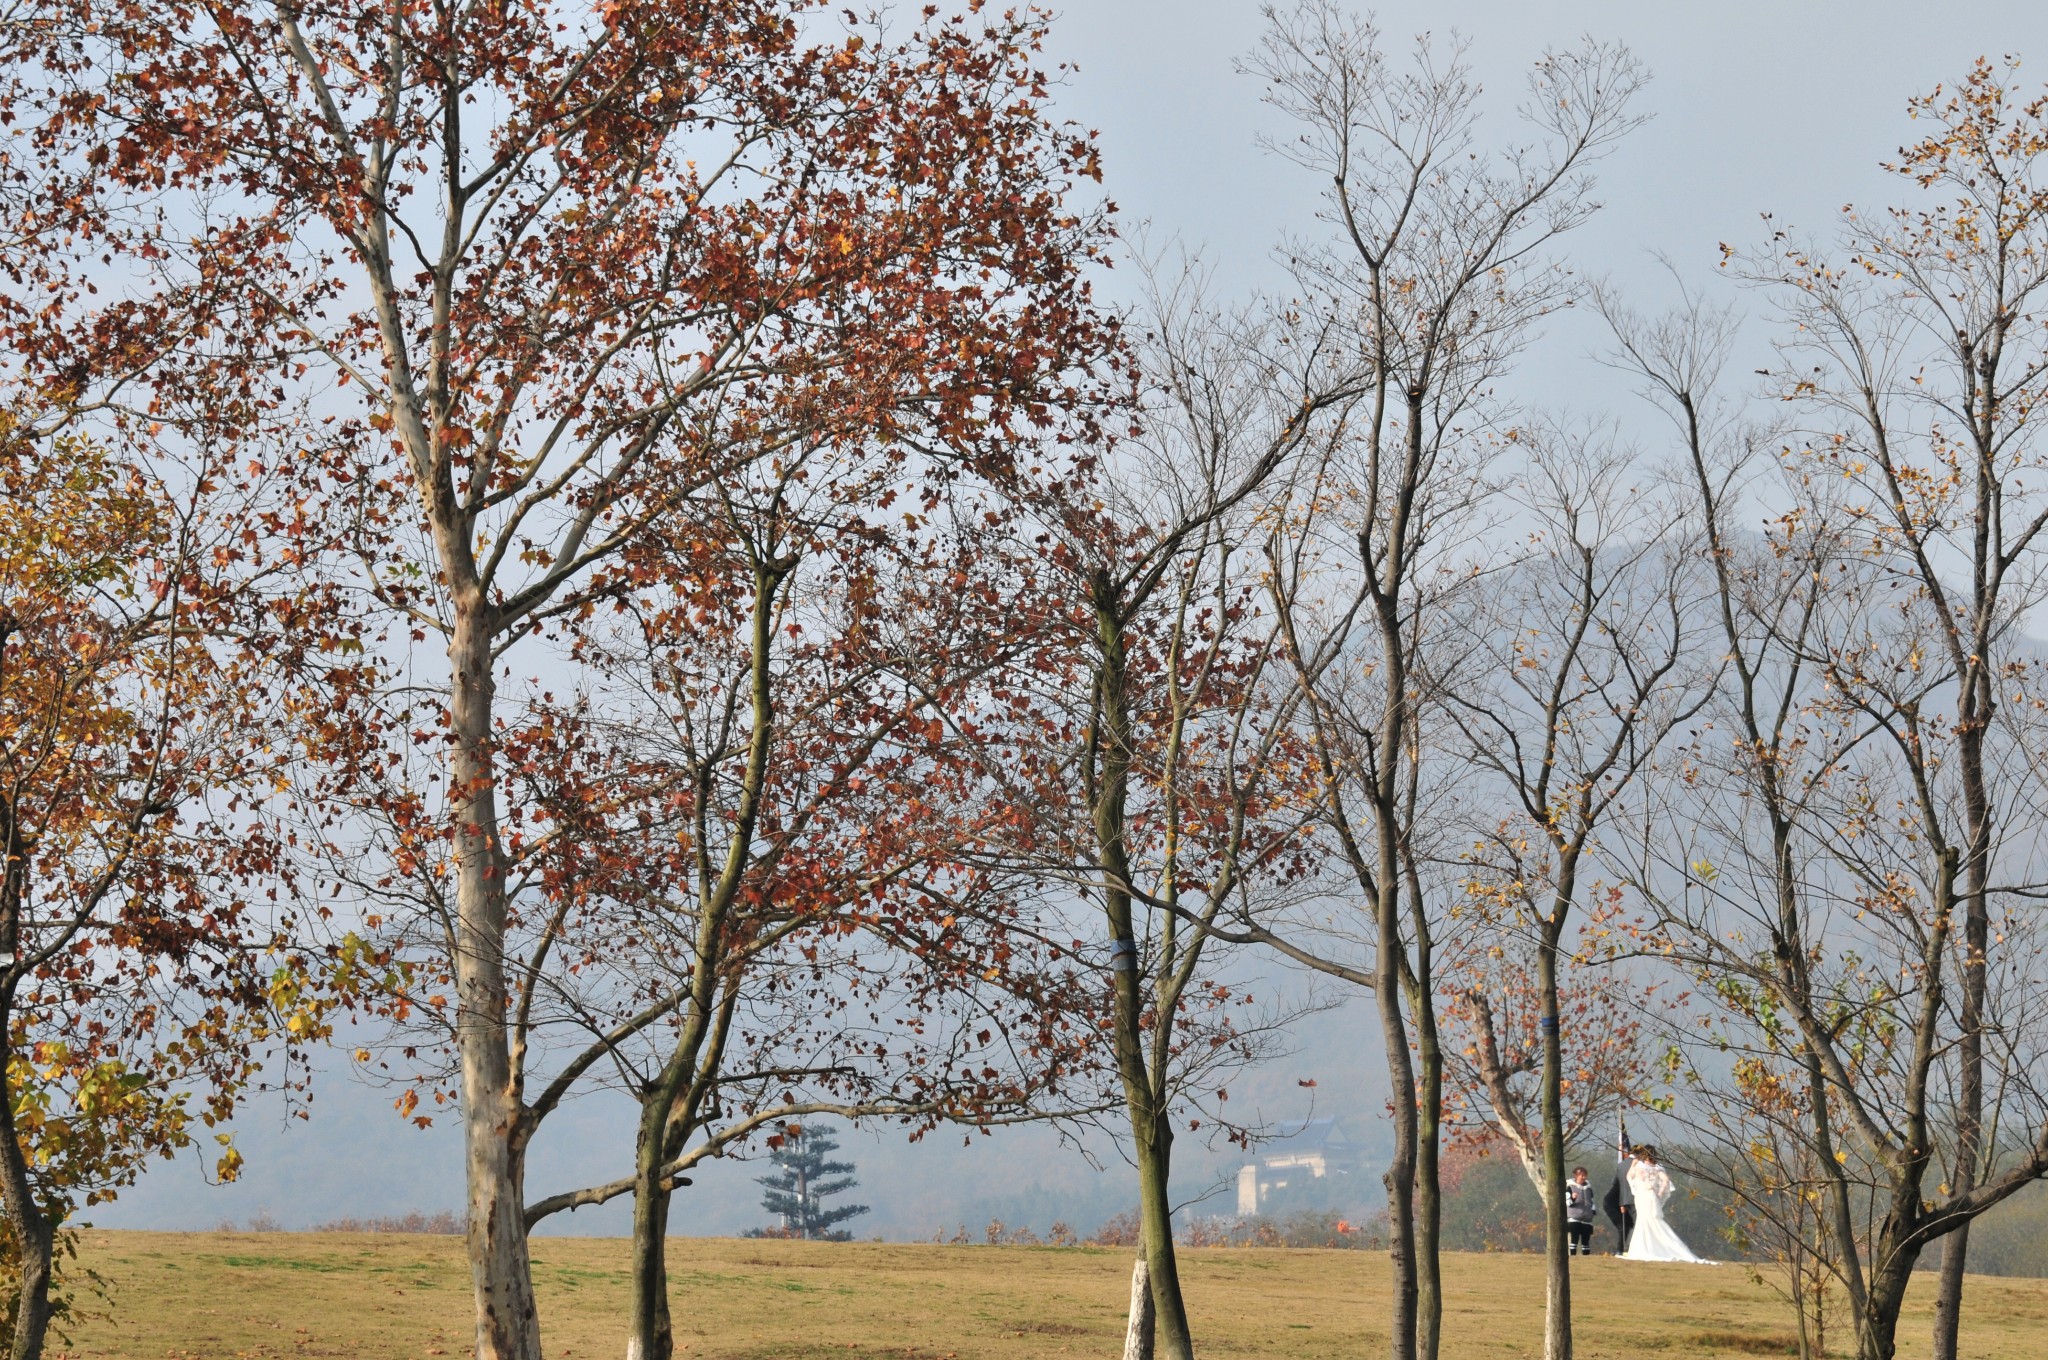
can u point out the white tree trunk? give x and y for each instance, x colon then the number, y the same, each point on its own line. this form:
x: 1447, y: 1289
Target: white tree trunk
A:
x: 1138, y: 1334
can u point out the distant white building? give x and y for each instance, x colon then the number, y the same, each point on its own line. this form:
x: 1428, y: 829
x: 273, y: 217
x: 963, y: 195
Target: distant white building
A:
x: 1316, y: 1150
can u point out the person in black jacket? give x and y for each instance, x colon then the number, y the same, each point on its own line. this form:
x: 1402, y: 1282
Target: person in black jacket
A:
x: 1579, y: 1209
x: 1620, y: 1204
x: 1620, y: 1201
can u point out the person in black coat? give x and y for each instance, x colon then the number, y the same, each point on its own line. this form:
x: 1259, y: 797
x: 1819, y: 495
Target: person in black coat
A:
x: 1620, y: 1203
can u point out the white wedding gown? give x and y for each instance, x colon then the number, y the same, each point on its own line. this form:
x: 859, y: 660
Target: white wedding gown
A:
x: 1654, y: 1239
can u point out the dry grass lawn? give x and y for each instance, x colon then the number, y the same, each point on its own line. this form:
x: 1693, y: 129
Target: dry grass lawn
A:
x: 211, y: 1296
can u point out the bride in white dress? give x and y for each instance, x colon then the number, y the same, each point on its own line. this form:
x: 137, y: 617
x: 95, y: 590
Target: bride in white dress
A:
x: 1654, y: 1239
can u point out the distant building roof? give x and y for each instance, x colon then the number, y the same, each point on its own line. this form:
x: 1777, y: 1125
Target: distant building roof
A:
x: 1317, y: 1135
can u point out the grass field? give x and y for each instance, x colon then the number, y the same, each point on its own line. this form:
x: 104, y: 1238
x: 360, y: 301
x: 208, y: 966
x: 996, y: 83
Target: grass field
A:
x: 211, y: 1296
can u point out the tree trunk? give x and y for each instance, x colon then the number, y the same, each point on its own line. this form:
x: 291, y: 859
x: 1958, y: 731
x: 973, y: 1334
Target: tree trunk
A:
x: 1955, y: 1254
x: 1154, y: 1145
x: 1390, y: 962
x: 667, y: 1110
x: 494, y: 1117
x: 650, y: 1337
x: 1948, y: 1296
x: 1138, y: 1331
x: 664, y: 1127
x: 1557, y: 1295
x: 1429, y: 1289
x: 1877, y: 1328
x: 34, y: 1235
x: 1400, y: 1178
x: 507, y: 1322
x: 1151, y: 1135
x: 1800, y: 1309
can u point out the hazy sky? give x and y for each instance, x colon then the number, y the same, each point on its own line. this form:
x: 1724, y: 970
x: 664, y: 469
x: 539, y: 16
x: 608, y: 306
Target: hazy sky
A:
x: 1784, y: 107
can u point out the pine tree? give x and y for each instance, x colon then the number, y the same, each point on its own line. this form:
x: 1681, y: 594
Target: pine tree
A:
x: 803, y: 1179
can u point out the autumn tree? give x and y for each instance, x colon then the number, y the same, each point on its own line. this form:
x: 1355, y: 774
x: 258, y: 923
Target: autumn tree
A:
x: 524, y: 277
x: 1613, y: 1050
x: 760, y: 890
x: 1430, y: 275
x: 146, y: 969
x: 1777, y: 1193
x: 1753, y: 808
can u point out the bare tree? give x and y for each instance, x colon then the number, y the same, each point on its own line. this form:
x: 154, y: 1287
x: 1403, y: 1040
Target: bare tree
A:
x: 1158, y: 716
x: 1760, y: 1152
x: 1814, y: 866
x: 1921, y: 354
x: 1432, y: 273
x: 1582, y: 658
